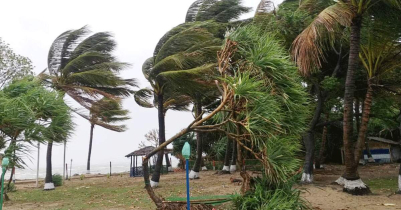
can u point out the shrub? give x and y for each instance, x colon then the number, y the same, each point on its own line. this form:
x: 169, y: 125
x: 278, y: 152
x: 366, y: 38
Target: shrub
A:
x: 82, y: 177
x: 266, y: 196
x: 57, y: 180
x: 12, y: 188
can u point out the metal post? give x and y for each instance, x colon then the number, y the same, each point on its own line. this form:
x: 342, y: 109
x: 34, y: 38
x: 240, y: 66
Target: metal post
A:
x: 64, y: 171
x: 70, y: 169
x: 188, y: 200
x: 110, y: 168
x: 37, y: 167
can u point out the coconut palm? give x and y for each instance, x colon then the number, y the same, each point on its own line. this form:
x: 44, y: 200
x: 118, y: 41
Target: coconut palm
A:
x: 84, y: 68
x: 164, y: 99
x: 106, y: 112
x: 189, y: 48
x: 309, y: 49
x: 194, y: 64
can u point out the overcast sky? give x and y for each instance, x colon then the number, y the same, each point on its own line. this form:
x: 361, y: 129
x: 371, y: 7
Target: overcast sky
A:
x: 31, y: 26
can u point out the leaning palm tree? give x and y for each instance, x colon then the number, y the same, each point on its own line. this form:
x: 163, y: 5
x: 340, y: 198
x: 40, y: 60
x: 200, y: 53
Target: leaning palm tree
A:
x: 308, y: 51
x: 106, y: 112
x: 84, y: 68
x: 178, y: 50
x: 193, y: 62
x: 164, y: 98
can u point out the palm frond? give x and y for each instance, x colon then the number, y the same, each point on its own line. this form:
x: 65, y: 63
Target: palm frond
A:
x: 265, y: 7
x: 308, y: 47
x: 101, y: 42
x: 194, y: 9
x: 143, y: 97
x: 53, y: 58
x: 84, y: 61
x: 70, y: 43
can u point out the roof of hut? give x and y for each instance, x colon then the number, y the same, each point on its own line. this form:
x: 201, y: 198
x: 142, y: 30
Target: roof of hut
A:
x: 146, y: 150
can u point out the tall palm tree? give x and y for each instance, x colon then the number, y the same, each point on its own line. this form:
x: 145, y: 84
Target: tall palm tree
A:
x: 84, y: 68
x: 163, y: 98
x: 106, y: 112
x: 309, y: 49
x: 194, y: 64
x: 190, y: 47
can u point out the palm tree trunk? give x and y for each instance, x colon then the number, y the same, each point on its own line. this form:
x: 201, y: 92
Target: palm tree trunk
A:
x: 352, y: 183
x: 88, y: 164
x: 309, y: 139
x: 162, y: 138
x: 364, y: 123
x: 195, y: 170
x: 320, y: 159
x: 226, y: 166
x: 168, y: 164
x: 399, y: 172
x: 49, y: 179
x: 357, y: 118
x: 233, y: 166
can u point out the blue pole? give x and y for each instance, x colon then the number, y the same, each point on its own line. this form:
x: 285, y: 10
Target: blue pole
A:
x: 187, y: 167
x: 2, y: 187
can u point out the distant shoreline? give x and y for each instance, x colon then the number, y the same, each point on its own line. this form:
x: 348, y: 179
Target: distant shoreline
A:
x: 87, y: 176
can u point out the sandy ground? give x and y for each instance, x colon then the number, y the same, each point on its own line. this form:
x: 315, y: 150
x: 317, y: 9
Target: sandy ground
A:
x: 325, y: 196
x: 322, y: 195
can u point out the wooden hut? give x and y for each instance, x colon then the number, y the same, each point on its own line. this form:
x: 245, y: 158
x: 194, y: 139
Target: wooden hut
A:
x: 135, y: 169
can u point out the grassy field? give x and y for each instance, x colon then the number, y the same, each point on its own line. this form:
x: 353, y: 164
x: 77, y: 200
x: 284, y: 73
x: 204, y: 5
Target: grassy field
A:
x: 123, y: 192
x: 116, y: 192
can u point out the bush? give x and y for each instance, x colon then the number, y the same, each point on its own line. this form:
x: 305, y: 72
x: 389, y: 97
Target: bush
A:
x: 265, y: 196
x: 12, y: 188
x: 57, y: 180
x: 82, y: 177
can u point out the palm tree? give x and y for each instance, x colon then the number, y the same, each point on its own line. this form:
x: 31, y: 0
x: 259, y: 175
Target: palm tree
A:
x: 309, y: 49
x: 164, y: 99
x: 106, y: 112
x: 194, y: 63
x: 84, y: 68
x: 190, y: 48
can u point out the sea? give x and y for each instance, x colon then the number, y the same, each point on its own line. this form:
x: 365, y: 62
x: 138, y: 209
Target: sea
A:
x: 30, y: 173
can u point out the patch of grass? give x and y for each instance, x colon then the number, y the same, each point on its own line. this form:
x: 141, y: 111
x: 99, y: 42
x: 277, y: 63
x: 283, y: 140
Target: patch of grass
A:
x: 87, y: 197
x: 383, y: 185
x: 112, y: 193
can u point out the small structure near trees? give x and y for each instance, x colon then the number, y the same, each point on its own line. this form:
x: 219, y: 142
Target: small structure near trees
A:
x: 135, y: 170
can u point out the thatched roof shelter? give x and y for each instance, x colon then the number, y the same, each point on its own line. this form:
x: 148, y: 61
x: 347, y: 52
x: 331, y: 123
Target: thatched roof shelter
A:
x: 146, y: 150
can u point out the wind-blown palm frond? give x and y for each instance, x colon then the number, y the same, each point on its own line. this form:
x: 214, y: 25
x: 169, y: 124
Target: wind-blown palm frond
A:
x: 265, y: 7
x: 195, y: 8
x: 143, y: 97
x: 105, y: 112
x: 85, y: 69
x: 220, y: 11
x: 308, y: 47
